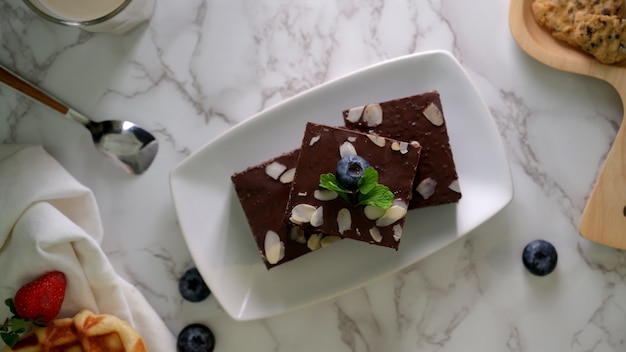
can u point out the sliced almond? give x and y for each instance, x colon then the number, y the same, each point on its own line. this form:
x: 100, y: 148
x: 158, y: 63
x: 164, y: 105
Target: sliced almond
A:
x: 426, y: 187
x: 376, y: 139
x: 287, y: 176
x: 297, y: 234
x: 371, y: 212
x: 314, y: 140
x: 344, y: 220
x: 314, y: 241
x: 274, y: 170
x: 373, y: 115
x: 317, y: 218
x: 274, y: 247
x: 433, y: 114
x: 400, y: 203
x: 397, y: 232
x: 404, y: 147
x: 392, y: 214
x: 395, y: 146
x: 325, y: 194
x: 302, y: 213
x: 375, y: 233
x: 346, y: 149
x: 454, y: 186
x: 355, y: 113
x: 328, y: 240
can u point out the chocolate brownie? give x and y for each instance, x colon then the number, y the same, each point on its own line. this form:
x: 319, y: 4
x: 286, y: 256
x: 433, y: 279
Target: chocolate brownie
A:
x: 316, y: 209
x: 416, y: 118
x: 263, y: 191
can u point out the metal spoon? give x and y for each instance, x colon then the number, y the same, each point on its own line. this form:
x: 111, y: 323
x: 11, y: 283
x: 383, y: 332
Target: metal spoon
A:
x: 129, y: 146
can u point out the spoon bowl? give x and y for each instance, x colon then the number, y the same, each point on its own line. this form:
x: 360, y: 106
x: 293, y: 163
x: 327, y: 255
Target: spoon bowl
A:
x: 604, y: 218
x: 127, y: 145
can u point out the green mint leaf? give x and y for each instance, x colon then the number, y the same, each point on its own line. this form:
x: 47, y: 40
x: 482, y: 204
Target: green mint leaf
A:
x: 369, y: 191
x: 329, y: 181
x: 345, y: 197
x: 379, y: 196
x: 368, y: 181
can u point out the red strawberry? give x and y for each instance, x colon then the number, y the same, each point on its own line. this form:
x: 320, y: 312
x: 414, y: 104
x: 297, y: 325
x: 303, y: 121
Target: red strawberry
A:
x: 41, y: 298
x: 37, y: 302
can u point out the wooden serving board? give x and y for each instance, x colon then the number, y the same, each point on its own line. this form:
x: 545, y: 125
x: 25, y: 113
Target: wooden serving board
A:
x: 604, y: 217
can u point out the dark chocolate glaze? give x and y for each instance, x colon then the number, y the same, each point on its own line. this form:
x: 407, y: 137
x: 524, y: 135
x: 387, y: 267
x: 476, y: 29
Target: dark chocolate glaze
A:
x: 403, y: 120
x: 396, y: 171
x: 263, y: 200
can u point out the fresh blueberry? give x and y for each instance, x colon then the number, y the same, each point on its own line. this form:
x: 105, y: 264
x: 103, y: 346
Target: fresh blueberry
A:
x: 539, y: 257
x: 349, y: 171
x: 195, y: 338
x: 192, y: 286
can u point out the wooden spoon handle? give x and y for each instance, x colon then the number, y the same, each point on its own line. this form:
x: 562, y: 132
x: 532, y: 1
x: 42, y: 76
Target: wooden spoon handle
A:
x: 604, y: 217
x: 14, y: 81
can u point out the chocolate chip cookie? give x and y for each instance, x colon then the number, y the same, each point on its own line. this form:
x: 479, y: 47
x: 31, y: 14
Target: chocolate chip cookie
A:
x: 601, y: 36
x: 558, y: 16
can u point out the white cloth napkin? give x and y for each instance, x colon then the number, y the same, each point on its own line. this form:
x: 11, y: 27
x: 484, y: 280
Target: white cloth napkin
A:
x: 49, y: 221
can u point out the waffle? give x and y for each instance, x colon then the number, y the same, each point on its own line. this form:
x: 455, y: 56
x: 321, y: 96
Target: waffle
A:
x: 85, y: 332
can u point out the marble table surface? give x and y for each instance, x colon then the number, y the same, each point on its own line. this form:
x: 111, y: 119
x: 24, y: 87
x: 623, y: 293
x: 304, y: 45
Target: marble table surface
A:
x: 199, y: 67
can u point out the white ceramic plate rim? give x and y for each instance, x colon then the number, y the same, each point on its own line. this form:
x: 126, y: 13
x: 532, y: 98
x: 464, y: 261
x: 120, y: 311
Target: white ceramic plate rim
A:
x: 213, y: 223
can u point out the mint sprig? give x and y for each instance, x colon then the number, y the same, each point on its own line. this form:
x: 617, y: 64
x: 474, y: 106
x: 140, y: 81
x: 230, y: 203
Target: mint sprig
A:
x: 369, y: 191
x: 329, y: 181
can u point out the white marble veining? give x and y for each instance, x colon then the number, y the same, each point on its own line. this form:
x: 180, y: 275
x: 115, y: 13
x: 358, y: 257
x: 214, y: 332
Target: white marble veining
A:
x: 199, y: 67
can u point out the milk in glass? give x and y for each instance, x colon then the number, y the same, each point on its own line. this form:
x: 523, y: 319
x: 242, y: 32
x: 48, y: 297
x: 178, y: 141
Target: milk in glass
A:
x: 113, y: 16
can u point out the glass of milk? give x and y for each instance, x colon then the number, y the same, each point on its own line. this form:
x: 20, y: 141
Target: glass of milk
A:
x: 110, y: 16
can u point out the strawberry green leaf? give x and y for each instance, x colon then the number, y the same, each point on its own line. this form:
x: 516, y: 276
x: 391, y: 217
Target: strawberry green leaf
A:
x: 9, y: 338
x: 14, y: 326
x: 18, y: 325
x: 11, y: 305
x: 39, y: 322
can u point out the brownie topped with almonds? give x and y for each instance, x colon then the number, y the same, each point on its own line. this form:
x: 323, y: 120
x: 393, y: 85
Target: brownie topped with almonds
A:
x: 415, y: 118
x: 325, y: 211
x: 263, y: 191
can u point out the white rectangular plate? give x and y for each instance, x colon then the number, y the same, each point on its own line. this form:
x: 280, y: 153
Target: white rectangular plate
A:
x: 215, y: 228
